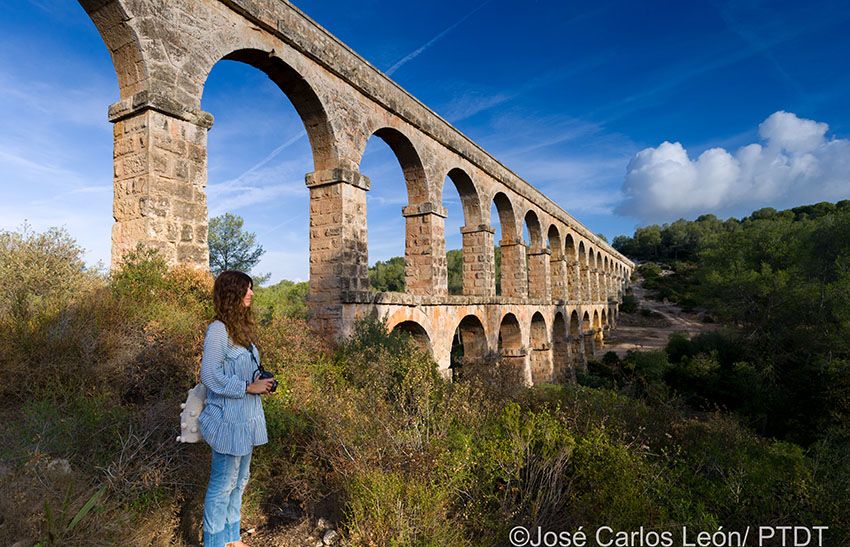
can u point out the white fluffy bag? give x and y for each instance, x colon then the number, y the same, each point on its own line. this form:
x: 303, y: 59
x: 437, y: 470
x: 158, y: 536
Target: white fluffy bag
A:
x: 190, y: 431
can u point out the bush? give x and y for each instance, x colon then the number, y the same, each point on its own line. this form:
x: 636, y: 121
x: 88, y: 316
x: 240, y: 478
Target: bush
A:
x: 40, y: 275
x: 285, y: 299
x: 388, y: 508
x: 629, y: 304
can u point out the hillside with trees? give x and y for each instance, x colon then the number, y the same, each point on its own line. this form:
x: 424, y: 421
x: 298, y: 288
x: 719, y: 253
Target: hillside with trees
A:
x: 743, y: 428
x: 779, y: 284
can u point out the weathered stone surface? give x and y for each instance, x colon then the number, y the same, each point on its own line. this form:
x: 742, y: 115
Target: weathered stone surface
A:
x: 565, y: 280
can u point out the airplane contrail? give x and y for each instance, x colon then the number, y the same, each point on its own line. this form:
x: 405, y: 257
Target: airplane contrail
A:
x: 272, y: 155
x: 412, y: 55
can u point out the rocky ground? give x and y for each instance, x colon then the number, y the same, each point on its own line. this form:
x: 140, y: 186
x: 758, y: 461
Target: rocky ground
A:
x: 638, y: 332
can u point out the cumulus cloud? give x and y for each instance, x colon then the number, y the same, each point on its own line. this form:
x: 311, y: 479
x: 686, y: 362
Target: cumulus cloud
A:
x: 795, y: 164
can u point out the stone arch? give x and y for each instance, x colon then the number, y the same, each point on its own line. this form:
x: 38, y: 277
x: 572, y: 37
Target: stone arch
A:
x: 301, y: 94
x: 116, y: 27
x: 424, y: 251
x: 512, y: 353
x: 553, y: 236
x: 537, y: 259
x: 560, y: 349
x: 571, y: 254
x: 408, y: 158
x: 408, y: 314
x: 541, y: 356
x: 469, y: 196
x: 510, y: 333
x: 476, y: 258
x: 507, y: 217
x: 570, y: 250
x: 469, y: 351
x: 575, y: 340
x: 598, y: 279
x: 597, y: 331
x: 587, y: 335
x: 416, y: 331
x: 557, y: 264
x: 583, y: 275
x: 535, y: 235
x: 514, y: 280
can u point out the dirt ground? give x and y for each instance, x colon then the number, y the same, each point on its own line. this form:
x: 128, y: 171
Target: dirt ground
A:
x: 636, y: 332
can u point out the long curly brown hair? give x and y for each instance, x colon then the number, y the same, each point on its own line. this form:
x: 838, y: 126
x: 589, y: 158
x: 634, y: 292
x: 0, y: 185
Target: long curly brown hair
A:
x: 229, y: 290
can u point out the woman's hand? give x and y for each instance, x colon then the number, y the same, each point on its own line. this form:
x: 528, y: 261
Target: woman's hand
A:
x: 260, y: 387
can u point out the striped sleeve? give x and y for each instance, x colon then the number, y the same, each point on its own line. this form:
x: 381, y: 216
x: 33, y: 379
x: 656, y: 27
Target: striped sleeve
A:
x: 212, y: 364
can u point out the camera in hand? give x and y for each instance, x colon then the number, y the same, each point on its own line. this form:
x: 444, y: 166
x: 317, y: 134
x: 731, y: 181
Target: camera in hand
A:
x: 263, y: 375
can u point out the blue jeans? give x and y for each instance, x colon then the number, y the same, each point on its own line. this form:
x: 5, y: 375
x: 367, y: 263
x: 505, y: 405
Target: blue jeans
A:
x: 228, y: 477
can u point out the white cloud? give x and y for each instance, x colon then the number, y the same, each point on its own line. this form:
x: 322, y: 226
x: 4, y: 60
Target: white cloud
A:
x: 795, y: 164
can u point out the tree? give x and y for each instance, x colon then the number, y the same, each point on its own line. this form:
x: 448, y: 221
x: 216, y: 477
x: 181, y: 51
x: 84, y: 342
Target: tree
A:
x: 388, y: 276
x: 230, y: 247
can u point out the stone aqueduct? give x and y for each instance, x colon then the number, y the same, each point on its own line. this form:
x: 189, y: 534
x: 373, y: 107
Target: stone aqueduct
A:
x: 559, y: 291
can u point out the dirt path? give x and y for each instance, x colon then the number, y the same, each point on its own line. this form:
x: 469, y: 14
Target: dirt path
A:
x: 636, y: 332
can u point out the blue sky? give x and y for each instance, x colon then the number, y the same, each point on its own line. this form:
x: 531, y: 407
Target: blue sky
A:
x: 625, y: 113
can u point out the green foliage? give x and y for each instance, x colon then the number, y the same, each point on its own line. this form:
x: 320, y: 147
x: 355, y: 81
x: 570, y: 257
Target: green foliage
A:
x: 285, y: 299
x: 629, y: 304
x: 780, y: 282
x: 454, y: 265
x: 141, y: 276
x: 639, y: 374
x: 370, y: 432
x: 58, y: 528
x: 388, y: 276
x: 40, y: 274
x: 231, y: 248
x: 389, y: 508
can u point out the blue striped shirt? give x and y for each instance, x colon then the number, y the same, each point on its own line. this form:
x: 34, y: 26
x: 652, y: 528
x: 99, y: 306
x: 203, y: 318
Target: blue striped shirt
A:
x: 232, y: 421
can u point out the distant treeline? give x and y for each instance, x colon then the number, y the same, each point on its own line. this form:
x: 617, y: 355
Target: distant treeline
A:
x: 388, y: 275
x: 683, y: 239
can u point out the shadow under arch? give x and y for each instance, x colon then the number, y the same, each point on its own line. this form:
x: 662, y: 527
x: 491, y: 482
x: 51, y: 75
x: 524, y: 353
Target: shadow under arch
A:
x: 469, y: 354
x: 512, y: 353
x: 560, y: 350
x: 558, y: 270
x: 540, y: 359
x: 575, y: 341
x: 416, y: 332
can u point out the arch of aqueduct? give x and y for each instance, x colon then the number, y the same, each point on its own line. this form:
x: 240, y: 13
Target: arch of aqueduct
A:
x: 559, y: 291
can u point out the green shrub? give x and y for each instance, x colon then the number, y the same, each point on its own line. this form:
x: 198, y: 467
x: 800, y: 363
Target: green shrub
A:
x: 40, y: 275
x: 388, y: 508
x: 285, y: 299
x: 629, y: 304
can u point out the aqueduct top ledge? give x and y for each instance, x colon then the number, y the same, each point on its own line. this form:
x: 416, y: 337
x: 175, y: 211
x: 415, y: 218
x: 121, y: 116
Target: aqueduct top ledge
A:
x: 284, y: 21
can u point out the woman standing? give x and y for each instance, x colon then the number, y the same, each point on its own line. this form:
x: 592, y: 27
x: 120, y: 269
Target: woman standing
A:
x: 232, y: 421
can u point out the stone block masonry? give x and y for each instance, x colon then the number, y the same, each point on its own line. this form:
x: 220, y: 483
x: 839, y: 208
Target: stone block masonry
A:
x: 558, y: 294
